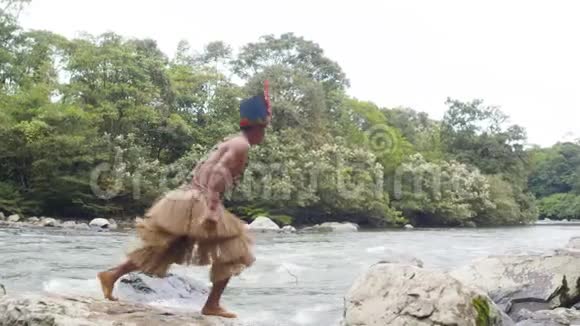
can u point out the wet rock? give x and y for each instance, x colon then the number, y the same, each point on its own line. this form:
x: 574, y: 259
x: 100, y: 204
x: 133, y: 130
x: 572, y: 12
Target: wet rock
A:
x: 288, y: 229
x: 49, y: 222
x: 532, y: 282
x: 397, y: 294
x: 44, y: 310
x: 556, y: 317
x: 141, y: 288
x: 332, y: 227
x: 263, y: 224
x: 100, y: 223
x: 13, y: 218
x: 2, y: 216
x: 409, y: 226
x: 33, y: 220
x: 69, y: 224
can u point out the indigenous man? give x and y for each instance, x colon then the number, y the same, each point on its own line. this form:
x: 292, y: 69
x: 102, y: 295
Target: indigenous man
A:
x: 190, y: 225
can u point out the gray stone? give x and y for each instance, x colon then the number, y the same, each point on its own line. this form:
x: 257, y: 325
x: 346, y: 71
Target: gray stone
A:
x: 288, y: 229
x: 409, y: 226
x: 68, y: 224
x: 49, y: 222
x: 13, y: 218
x: 397, y: 294
x: 99, y: 223
x: 44, y: 310
x: 138, y: 287
x: 532, y: 282
x: 2, y: 216
x: 33, y: 220
x: 263, y: 224
x: 556, y: 317
x: 332, y: 227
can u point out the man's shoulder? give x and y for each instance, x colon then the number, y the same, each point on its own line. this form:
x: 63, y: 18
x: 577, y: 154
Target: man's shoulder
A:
x: 238, y: 144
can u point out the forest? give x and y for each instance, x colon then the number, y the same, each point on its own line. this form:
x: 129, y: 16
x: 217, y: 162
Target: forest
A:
x: 101, y: 125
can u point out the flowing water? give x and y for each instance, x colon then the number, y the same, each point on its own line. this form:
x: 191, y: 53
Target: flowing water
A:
x: 298, y: 279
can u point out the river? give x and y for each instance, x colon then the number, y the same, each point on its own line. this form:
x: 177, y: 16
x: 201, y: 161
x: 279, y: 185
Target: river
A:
x: 298, y: 279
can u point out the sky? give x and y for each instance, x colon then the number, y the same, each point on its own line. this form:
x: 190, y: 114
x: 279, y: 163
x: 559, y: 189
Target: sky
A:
x: 520, y: 55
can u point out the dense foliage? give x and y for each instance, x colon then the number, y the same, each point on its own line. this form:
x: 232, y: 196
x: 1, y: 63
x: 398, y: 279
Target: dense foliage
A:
x: 555, y: 180
x: 101, y: 125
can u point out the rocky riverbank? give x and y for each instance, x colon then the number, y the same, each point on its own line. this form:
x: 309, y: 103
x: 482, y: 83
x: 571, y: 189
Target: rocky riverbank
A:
x: 260, y: 224
x: 16, y: 220
x: 523, y: 290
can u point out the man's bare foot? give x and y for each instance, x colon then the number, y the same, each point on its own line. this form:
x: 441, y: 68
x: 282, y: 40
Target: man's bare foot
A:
x: 107, y: 284
x: 217, y: 311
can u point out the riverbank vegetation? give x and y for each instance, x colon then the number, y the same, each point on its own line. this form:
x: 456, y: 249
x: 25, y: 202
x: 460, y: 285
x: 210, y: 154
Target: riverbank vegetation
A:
x: 102, y: 125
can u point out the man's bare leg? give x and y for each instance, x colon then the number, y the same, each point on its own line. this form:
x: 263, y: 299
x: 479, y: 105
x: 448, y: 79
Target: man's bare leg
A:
x: 212, y: 306
x: 109, y: 277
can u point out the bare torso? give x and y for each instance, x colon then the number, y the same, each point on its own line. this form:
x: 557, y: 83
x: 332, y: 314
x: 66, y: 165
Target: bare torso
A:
x: 223, y: 166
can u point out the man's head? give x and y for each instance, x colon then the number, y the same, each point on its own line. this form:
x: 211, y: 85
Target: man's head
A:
x: 254, y: 134
x: 255, y: 115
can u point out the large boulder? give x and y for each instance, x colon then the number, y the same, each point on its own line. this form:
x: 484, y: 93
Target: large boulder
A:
x: 533, y: 282
x: 263, y: 224
x: 44, y: 310
x: 332, y: 227
x: 13, y: 218
x: 100, y: 223
x: 556, y: 317
x: 397, y: 294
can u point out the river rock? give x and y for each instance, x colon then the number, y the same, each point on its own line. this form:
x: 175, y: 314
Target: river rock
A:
x: 533, y: 282
x: 45, y: 310
x: 69, y: 224
x: 48, y: 222
x: 100, y: 223
x: 263, y: 224
x: 138, y: 287
x: 574, y: 243
x: 397, y: 294
x: 2, y: 216
x: 33, y: 220
x: 556, y: 317
x: 13, y: 218
x: 288, y: 229
x: 332, y: 227
x: 409, y: 226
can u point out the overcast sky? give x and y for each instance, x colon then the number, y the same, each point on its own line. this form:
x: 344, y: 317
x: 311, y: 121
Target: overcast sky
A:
x: 523, y: 56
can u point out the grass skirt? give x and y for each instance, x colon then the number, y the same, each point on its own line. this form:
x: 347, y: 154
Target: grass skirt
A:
x: 176, y: 230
